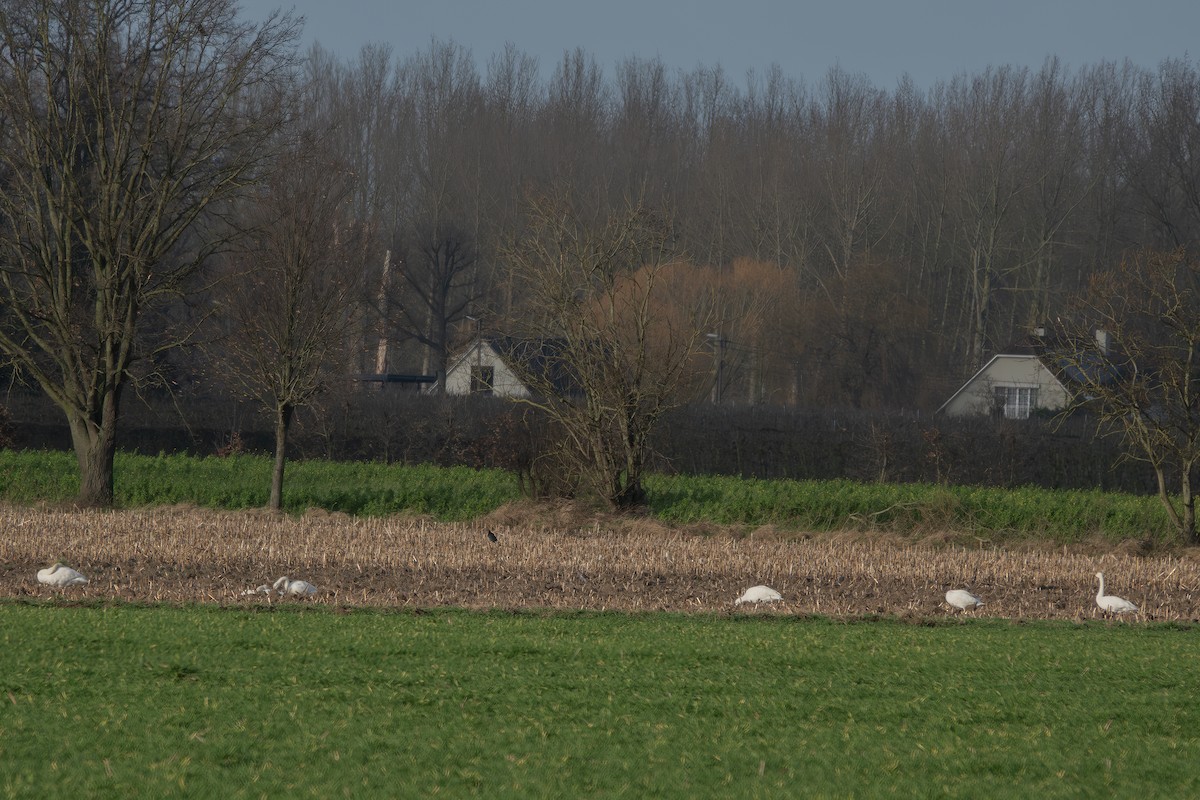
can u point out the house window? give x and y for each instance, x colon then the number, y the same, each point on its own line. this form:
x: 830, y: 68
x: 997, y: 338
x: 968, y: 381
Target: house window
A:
x: 1015, y: 402
x: 481, y: 379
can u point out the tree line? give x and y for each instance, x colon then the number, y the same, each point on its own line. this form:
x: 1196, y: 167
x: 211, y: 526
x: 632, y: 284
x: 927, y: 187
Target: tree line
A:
x: 870, y: 246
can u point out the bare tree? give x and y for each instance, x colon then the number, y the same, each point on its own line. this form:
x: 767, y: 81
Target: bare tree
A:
x: 575, y: 120
x: 849, y: 118
x: 512, y: 97
x: 441, y: 280
x: 860, y: 340
x: 370, y: 131
x: 1157, y: 155
x: 290, y: 300
x: 1060, y: 185
x: 770, y: 174
x: 988, y: 120
x: 604, y: 358
x: 1140, y: 372
x: 708, y: 206
x: 437, y: 222
x: 125, y: 123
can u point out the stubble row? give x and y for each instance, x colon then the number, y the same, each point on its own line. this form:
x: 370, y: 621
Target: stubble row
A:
x: 197, y: 555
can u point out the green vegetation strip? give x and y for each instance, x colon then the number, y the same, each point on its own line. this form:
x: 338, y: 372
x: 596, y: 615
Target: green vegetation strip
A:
x: 446, y: 493
x: 1026, y: 512
x: 460, y: 493
x: 124, y: 701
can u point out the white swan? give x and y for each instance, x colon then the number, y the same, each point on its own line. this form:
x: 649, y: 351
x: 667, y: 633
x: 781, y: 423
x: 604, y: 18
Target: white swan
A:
x: 962, y: 599
x: 759, y: 594
x: 264, y: 589
x: 1110, y: 602
x: 61, y: 576
x: 298, y: 588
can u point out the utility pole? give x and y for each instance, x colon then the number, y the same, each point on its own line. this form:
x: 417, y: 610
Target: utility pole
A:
x: 385, y: 291
x: 718, y: 342
x: 476, y: 383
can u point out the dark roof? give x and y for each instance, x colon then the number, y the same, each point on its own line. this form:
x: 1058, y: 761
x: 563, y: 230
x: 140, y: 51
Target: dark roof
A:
x: 1073, y: 360
x: 391, y: 377
x: 540, y: 360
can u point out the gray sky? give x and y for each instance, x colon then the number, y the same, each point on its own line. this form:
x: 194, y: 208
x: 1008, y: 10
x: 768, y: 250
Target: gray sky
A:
x: 930, y: 40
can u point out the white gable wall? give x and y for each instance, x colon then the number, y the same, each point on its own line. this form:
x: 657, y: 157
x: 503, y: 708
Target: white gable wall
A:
x: 504, y: 382
x: 977, y: 396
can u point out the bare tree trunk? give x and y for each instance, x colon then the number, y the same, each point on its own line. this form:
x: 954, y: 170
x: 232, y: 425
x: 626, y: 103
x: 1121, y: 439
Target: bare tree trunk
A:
x: 1189, y: 508
x: 629, y: 492
x: 1183, y: 518
x: 981, y: 300
x: 283, y: 421
x: 95, y: 447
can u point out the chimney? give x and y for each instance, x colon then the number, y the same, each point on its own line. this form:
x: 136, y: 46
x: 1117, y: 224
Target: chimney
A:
x: 1102, y: 341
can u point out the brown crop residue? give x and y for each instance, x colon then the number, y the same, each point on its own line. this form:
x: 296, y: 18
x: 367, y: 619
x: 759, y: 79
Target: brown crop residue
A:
x: 545, y: 558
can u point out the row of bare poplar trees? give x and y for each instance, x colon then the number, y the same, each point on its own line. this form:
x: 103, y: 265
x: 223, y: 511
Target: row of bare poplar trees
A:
x: 873, y: 245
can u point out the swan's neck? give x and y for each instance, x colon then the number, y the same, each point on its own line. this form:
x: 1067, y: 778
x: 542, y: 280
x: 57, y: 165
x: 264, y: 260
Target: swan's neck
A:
x: 1101, y: 592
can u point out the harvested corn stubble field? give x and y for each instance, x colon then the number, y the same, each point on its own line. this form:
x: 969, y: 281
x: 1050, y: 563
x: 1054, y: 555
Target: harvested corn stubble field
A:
x: 185, y: 554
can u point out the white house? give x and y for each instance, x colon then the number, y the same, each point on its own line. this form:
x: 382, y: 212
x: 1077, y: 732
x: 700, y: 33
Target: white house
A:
x: 1022, y: 379
x: 483, y: 368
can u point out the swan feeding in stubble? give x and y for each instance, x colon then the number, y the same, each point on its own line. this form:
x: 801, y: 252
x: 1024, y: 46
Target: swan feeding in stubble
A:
x: 297, y: 588
x: 1110, y: 602
x: 962, y: 599
x: 61, y: 576
x: 759, y: 594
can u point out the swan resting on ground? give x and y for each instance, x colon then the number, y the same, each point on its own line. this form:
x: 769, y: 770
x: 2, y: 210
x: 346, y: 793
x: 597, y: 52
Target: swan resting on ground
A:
x: 962, y: 599
x: 297, y: 588
x: 758, y: 594
x: 1110, y: 602
x: 61, y: 576
x: 264, y: 589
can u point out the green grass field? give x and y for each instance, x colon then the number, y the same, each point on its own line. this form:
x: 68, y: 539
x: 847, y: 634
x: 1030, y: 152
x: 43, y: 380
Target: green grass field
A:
x: 122, y: 701
x: 460, y: 493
